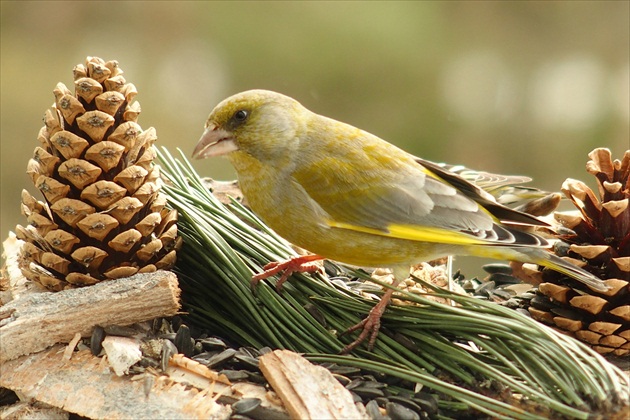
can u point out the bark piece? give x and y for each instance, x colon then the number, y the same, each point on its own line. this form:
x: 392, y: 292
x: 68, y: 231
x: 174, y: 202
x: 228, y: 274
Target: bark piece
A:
x: 40, y: 320
x: 82, y: 385
x: 308, y: 391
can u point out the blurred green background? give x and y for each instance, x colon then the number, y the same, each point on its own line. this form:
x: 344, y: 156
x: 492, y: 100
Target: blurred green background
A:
x: 510, y: 87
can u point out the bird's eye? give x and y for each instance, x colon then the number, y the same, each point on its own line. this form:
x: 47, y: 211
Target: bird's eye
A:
x: 240, y: 115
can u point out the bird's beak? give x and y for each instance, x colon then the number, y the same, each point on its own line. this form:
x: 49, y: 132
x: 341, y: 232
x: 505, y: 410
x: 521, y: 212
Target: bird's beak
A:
x: 214, y: 142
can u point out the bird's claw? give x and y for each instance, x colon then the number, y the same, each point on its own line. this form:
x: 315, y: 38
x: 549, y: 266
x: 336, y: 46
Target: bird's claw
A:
x: 300, y: 264
x: 370, y: 325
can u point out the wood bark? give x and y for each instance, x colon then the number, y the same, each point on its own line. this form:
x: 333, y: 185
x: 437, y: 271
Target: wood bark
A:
x: 36, y: 321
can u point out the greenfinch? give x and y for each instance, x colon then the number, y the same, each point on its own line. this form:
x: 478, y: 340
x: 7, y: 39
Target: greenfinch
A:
x: 347, y: 195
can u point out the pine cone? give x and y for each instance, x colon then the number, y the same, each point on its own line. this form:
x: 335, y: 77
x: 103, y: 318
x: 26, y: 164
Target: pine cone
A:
x: 103, y: 215
x: 600, y: 243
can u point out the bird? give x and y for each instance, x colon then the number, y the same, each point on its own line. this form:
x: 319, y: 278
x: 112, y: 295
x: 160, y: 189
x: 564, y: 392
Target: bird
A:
x: 345, y: 194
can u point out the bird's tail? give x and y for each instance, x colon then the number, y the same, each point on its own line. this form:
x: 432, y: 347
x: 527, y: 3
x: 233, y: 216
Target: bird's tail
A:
x: 542, y: 257
x: 549, y: 260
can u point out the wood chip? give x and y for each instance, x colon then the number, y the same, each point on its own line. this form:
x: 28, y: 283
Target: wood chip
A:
x: 308, y: 391
x: 67, y: 353
x: 122, y: 353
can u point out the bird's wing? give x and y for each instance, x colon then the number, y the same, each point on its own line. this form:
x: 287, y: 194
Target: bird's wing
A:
x: 390, y: 194
x: 480, y: 196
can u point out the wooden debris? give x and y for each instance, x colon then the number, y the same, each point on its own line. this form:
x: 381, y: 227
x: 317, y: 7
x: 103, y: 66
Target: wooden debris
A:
x: 122, y: 353
x: 67, y: 354
x: 39, y: 320
x: 308, y: 391
x: 32, y: 410
x: 83, y: 386
x: 86, y: 385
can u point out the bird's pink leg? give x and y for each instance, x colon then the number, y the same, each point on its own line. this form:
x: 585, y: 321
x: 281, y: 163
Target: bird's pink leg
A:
x: 300, y: 264
x: 370, y: 325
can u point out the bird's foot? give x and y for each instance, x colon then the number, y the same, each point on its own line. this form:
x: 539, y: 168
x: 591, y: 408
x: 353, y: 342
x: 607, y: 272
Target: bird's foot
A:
x: 300, y: 264
x: 370, y: 325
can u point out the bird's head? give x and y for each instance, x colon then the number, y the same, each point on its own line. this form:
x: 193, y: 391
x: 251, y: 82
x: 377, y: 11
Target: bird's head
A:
x: 259, y: 123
